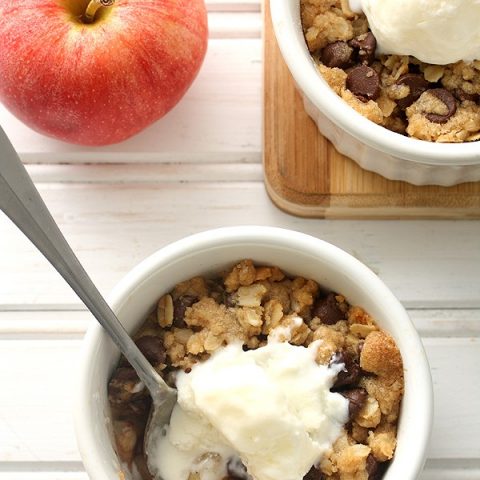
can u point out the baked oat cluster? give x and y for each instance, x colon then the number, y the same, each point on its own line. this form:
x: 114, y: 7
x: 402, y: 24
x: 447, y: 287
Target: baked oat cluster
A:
x: 248, y: 303
x: 437, y: 103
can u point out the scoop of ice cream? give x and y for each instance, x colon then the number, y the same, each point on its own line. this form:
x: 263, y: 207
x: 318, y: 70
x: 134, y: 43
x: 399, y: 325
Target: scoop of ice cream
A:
x: 434, y: 31
x: 270, y: 407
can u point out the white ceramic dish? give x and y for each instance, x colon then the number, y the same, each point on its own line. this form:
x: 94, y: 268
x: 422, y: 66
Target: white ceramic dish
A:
x: 212, y: 251
x: 373, y: 147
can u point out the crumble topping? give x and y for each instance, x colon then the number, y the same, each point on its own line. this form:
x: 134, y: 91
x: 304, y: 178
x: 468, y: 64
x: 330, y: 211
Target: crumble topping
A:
x: 436, y: 103
x: 250, y: 304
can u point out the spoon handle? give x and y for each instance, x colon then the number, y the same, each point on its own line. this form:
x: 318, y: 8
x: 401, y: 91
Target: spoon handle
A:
x: 20, y: 200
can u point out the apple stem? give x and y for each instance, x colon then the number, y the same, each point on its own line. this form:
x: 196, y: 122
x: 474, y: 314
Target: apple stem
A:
x: 92, y: 8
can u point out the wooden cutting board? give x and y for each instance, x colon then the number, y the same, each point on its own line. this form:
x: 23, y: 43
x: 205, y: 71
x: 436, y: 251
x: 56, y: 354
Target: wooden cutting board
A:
x: 306, y: 176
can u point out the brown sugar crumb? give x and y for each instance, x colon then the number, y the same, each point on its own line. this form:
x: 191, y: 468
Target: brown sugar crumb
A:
x: 359, y: 434
x: 370, y: 415
x: 383, y: 441
x: 370, y: 109
x: 335, y: 77
x: 219, y: 326
x: 303, y: 295
x: 274, y: 274
x: 388, y: 392
x: 332, y: 341
x: 245, y: 273
x: 254, y: 304
x: 460, y: 127
x: 250, y: 296
x: 347, y: 460
x: 352, y: 461
x: 292, y: 329
x: 381, y: 356
x: 196, y: 287
x: 328, y: 27
x: 395, y: 91
x: 280, y: 292
x: 242, y: 274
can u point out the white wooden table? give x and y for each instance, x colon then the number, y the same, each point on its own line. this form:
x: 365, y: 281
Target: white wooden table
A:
x: 200, y: 168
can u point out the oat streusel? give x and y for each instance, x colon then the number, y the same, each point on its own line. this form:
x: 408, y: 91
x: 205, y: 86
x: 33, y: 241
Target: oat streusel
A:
x: 437, y: 103
x: 250, y: 304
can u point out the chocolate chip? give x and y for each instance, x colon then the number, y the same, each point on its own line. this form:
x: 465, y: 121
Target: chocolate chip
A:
x: 350, y: 373
x: 416, y: 84
x: 463, y: 96
x: 364, y: 83
x: 236, y: 470
x: 140, y: 404
x: 356, y: 399
x: 374, y: 468
x: 153, y: 349
x: 314, y: 474
x: 327, y: 310
x: 125, y: 374
x: 229, y: 299
x: 366, y: 45
x: 371, y: 467
x: 448, y: 100
x: 216, y: 289
x: 122, y: 386
x: 337, y: 54
x: 180, y: 305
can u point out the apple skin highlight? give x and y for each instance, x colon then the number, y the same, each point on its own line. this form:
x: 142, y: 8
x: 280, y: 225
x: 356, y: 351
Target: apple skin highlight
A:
x: 98, y: 83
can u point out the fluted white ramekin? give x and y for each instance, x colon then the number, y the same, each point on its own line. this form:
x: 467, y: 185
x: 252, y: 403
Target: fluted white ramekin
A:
x: 373, y: 147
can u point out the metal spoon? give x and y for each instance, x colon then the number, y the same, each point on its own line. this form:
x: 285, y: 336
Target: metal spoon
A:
x: 20, y: 200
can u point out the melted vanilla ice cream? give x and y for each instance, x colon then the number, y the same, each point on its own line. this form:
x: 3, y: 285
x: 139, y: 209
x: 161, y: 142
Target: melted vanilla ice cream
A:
x: 434, y: 31
x: 270, y: 407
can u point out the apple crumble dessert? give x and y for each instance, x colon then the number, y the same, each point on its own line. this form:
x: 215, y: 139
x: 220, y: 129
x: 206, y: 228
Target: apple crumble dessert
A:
x: 244, y: 313
x: 437, y: 103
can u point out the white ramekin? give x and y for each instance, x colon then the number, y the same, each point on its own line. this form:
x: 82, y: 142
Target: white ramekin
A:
x: 213, y: 251
x: 373, y: 147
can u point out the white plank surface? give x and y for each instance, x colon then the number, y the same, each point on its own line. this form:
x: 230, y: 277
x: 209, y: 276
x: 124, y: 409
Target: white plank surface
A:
x: 112, y: 227
x: 233, y: 5
x: 35, y: 474
x: 463, y: 470
x: 146, y: 173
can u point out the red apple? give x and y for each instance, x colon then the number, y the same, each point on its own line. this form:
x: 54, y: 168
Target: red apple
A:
x: 92, y: 74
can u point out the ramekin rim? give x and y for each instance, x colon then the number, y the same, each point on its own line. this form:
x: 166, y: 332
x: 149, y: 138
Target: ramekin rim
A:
x: 217, y: 237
